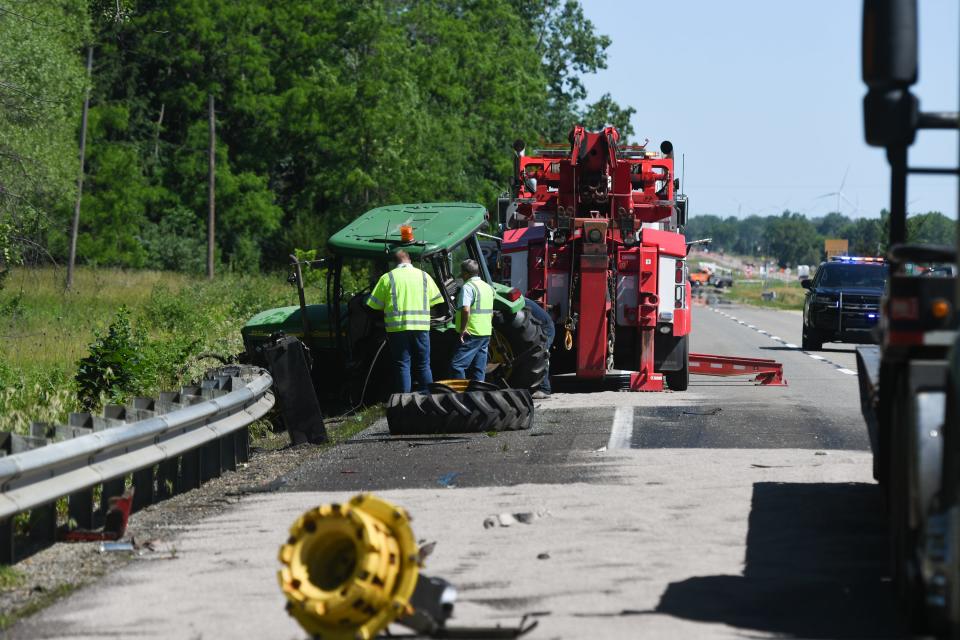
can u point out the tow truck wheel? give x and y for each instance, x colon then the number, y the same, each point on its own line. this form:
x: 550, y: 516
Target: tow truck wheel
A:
x: 680, y: 380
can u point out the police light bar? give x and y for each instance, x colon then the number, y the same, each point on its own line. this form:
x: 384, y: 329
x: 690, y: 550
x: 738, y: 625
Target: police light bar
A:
x: 855, y: 259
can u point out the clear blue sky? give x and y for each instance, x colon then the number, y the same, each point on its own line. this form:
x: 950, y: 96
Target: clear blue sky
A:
x: 764, y: 98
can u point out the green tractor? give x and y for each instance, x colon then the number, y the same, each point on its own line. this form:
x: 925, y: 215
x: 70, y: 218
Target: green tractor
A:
x: 350, y: 362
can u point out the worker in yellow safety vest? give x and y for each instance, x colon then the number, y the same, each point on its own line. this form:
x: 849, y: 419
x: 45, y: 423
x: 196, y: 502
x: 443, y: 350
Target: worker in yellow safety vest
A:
x: 474, y: 322
x: 405, y: 296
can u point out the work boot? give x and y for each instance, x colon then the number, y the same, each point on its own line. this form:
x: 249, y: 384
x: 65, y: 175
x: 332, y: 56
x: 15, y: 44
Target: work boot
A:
x: 539, y: 394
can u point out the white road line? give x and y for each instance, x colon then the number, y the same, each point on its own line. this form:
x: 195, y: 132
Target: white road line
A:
x: 788, y: 345
x: 621, y: 434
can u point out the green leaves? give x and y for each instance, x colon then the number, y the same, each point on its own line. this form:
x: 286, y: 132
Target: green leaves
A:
x: 42, y: 80
x: 323, y: 110
x: 114, y: 366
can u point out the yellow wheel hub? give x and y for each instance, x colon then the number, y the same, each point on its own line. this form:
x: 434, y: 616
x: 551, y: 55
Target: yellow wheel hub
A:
x: 349, y: 570
x: 501, y: 355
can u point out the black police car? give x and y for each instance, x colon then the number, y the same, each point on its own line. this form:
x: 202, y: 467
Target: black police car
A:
x: 843, y: 301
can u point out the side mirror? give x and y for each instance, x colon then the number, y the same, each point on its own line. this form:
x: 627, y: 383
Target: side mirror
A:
x: 889, y: 67
x: 683, y: 205
x: 806, y: 283
x: 889, y: 53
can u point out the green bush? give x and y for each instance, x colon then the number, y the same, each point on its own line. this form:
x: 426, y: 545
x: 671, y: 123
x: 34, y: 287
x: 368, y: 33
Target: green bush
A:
x: 172, y: 311
x: 115, y: 366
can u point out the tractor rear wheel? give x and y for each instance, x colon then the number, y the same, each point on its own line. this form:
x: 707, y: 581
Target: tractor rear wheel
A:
x: 483, y: 407
x: 519, y: 347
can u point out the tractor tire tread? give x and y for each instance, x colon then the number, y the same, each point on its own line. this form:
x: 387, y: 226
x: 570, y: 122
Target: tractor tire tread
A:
x: 468, y: 412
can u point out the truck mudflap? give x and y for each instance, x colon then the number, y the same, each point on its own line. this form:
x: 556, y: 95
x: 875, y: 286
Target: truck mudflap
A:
x: 868, y: 372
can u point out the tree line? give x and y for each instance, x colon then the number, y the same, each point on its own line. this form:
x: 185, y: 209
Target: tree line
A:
x: 791, y: 238
x: 323, y: 110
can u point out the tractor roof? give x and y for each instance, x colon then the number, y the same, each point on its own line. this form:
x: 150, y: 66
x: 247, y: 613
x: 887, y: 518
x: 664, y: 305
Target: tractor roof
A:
x: 436, y: 226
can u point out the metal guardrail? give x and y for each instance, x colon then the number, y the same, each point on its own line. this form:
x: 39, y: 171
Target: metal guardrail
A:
x: 186, y: 439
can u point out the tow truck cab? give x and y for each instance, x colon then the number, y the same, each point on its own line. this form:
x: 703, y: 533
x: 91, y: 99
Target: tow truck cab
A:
x: 843, y: 301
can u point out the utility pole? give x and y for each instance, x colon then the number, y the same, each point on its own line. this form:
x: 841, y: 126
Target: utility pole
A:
x: 211, y: 182
x: 75, y: 227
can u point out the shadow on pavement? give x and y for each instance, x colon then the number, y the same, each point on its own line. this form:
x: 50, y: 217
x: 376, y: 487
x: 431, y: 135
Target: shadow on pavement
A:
x: 815, y: 568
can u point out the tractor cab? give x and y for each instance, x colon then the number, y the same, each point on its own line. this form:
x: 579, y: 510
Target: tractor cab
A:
x: 347, y: 346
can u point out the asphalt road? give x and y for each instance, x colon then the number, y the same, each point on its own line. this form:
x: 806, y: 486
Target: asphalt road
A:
x: 727, y: 511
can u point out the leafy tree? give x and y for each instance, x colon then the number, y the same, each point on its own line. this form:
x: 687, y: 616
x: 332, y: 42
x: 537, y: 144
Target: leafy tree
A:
x: 42, y: 80
x: 323, y: 110
x: 569, y: 47
x: 793, y: 240
x: 932, y: 228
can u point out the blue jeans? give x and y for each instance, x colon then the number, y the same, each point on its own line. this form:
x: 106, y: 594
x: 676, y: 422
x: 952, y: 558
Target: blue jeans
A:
x: 404, y: 347
x: 549, y: 331
x: 470, y: 358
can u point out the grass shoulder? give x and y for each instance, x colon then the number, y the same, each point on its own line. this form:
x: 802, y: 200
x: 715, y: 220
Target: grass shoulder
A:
x: 773, y: 294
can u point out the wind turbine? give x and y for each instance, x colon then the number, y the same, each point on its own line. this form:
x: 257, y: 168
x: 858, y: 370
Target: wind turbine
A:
x: 839, y: 193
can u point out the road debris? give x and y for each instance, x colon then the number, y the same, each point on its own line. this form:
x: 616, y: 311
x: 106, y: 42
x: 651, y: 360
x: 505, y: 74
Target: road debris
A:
x: 388, y: 591
x: 115, y: 522
x: 449, y: 480
x: 114, y: 547
x: 508, y: 519
x: 710, y: 412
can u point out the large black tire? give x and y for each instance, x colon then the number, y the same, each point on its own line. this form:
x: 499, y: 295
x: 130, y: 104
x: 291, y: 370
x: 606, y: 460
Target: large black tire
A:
x: 809, y: 341
x: 519, y: 346
x: 679, y: 380
x: 474, y: 411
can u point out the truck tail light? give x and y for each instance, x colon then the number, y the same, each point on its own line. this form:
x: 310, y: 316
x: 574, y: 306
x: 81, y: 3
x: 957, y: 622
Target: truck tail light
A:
x: 514, y: 294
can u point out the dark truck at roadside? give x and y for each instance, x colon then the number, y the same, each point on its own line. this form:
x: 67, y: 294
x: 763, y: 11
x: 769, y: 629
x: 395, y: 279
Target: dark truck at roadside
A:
x: 843, y: 301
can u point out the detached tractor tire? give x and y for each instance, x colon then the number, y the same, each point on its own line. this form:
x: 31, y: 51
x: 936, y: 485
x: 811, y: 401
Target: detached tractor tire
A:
x: 519, y: 347
x: 483, y: 407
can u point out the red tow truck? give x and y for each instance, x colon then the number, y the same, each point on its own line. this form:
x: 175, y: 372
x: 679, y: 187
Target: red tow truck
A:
x: 593, y: 232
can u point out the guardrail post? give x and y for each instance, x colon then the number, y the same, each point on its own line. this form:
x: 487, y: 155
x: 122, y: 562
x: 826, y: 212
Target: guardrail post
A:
x: 228, y: 452
x: 168, y: 477
x: 111, y: 489
x: 143, y: 492
x: 190, y: 471
x: 242, y: 444
x: 7, y: 550
x: 210, y: 461
x: 80, y: 508
x: 43, y: 525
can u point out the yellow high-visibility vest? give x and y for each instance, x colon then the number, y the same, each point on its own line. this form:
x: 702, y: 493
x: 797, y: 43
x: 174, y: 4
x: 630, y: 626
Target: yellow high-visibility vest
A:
x: 480, y: 322
x: 405, y: 296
